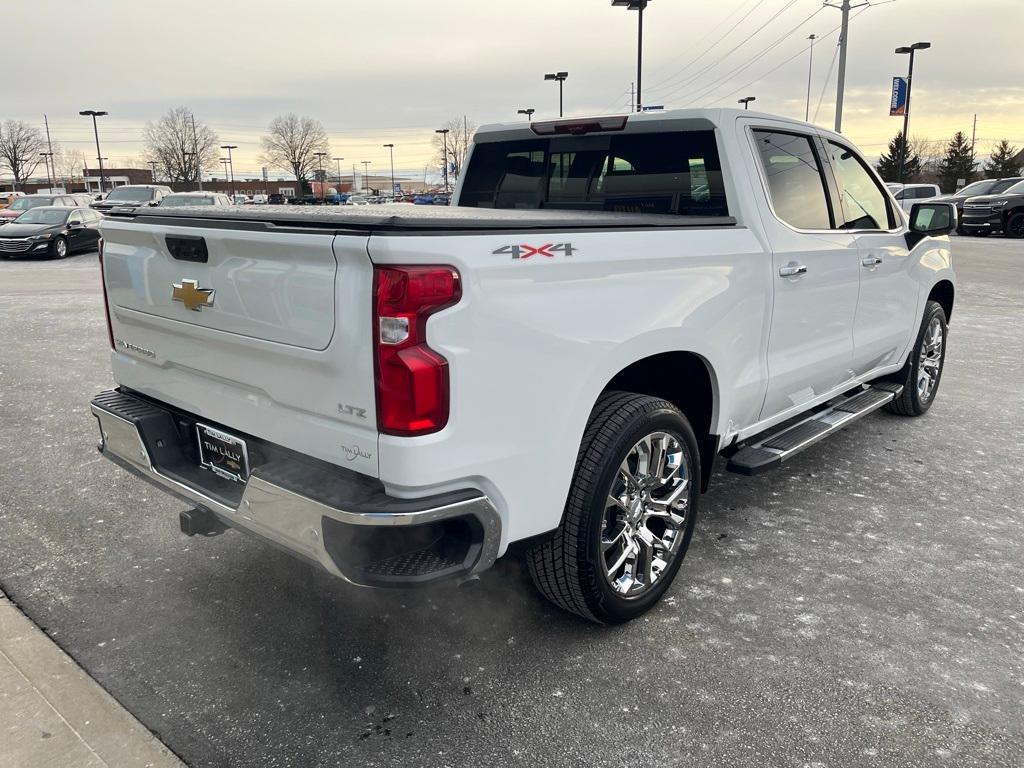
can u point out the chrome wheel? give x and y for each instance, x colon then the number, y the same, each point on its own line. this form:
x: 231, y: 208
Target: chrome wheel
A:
x: 60, y: 248
x: 929, y: 364
x: 645, y: 515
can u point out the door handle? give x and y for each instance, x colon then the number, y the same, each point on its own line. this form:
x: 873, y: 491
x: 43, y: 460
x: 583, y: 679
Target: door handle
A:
x: 792, y: 270
x: 871, y: 261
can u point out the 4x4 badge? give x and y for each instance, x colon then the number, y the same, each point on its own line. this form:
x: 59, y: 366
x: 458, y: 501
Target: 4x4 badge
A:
x: 524, y: 251
x: 191, y: 295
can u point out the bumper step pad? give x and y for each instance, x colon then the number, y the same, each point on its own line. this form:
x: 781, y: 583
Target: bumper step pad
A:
x: 767, y: 451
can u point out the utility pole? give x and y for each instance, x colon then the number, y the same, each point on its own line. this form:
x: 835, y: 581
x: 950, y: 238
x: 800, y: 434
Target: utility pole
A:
x: 195, y: 147
x: 844, y: 39
x: 366, y: 172
x: 49, y: 145
x: 94, y: 114
x: 974, y: 132
x: 323, y: 177
x: 810, y: 69
x: 911, y: 49
x: 528, y: 112
x: 339, y: 159
x: 231, y: 165
x: 152, y: 166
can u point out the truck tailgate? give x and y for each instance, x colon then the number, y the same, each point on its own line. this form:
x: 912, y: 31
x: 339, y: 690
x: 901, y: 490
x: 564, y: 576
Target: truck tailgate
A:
x: 281, y: 348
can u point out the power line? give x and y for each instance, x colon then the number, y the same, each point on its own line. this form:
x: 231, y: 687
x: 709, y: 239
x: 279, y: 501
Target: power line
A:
x: 757, y: 57
x: 682, y: 85
x: 707, y: 50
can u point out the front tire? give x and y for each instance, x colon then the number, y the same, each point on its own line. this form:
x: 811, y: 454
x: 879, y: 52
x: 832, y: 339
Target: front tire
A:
x: 1015, y: 226
x: 922, y: 373
x: 630, y: 513
x: 59, y: 248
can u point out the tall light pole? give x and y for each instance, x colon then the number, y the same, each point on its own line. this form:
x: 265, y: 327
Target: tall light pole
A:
x: 224, y: 161
x: 444, y: 164
x: 231, y: 165
x: 152, y: 168
x: 195, y: 148
x: 323, y: 179
x: 391, y: 149
x: 810, y: 68
x: 46, y: 161
x: 745, y: 101
x: 94, y: 114
x: 560, y: 77
x: 906, y: 111
x: 638, y: 6
x: 528, y: 112
x: 366, y: 172
x: 844, y: 40
x: 339, y: 159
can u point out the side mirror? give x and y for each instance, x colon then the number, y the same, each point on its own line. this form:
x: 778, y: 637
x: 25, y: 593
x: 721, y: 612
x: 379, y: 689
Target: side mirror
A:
x: 930, y: 220
x: 153, y: 203
x: 74, y: 225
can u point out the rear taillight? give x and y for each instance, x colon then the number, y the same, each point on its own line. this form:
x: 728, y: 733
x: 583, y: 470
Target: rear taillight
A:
x: 106, y: 301
x: 412, y: 379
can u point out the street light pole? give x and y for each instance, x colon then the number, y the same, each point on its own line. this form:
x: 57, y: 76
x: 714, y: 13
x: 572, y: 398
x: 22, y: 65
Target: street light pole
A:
x: 231, y: 165
x: 323, y: 179
x: 339, y: 159
x: 152, y: 169
x: 95, y: 113
x: 560, y: 77
x: 810, y: 69
x: 444, y: 164
x: 46, y: 162
x: 391, y: 149
x: 224, y: 162
x: 745, y: 101
x: 528, y: 112
x: 906, y: 111
x: 639, y: 6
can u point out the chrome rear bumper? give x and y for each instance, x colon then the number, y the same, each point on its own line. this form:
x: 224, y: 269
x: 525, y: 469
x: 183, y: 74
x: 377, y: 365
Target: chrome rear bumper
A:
x: 324, y: 514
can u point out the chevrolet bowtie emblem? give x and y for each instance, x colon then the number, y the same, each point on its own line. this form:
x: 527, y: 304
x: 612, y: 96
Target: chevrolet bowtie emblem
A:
x: 192, y: 296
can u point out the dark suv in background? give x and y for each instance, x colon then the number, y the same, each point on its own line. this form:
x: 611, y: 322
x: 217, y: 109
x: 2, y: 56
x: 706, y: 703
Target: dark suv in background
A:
x: 983, y: 187
x: 1002, y: 212
x: 132, y: 196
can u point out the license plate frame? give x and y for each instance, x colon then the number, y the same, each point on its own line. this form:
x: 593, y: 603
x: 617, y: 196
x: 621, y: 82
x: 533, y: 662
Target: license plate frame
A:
x: 224, y: 454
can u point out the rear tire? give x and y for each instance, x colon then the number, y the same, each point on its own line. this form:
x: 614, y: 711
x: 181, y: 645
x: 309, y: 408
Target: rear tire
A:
x: 922, y: 373
x: 633, y: 499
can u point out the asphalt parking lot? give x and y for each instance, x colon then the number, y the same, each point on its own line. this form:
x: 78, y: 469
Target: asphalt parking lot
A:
x: 863, y: 605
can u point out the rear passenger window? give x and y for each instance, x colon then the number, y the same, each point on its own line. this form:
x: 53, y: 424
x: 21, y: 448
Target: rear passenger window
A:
x: 863, y: 204
x: 666, y: 173
x: 795, y: 182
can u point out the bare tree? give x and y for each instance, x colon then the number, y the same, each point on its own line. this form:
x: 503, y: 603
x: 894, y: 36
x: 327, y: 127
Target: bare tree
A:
x: 69, y: 164
x: 460, y: 137
x: 21, y: 147
x: 291, y: 144
x: 180, y: 153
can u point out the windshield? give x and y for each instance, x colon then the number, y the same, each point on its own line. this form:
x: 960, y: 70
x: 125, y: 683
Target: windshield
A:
x: 173, y: 200
x: 977, y: 188
x: 131, y: 194
x: 1016, y: 189
x: 43, y: 216
x: 26, y: 203
x: 666, y: 173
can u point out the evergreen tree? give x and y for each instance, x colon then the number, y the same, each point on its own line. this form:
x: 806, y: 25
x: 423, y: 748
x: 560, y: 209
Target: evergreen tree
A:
x: 1004, y: 161
x: 958, y: 163
x: 889, y: 164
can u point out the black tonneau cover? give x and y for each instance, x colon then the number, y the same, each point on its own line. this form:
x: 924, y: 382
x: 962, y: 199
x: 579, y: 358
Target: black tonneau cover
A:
x: 407, y: 218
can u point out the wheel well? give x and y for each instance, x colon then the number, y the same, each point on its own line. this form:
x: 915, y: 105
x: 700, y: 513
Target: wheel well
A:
x: 684, y: 379
x: 942, y: 292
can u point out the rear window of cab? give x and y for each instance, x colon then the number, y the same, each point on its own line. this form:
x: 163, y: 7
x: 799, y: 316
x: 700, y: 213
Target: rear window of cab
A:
x: 665, y: 173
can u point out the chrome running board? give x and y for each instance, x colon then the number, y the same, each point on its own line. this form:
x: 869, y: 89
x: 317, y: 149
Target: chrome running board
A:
x: 767, y: 451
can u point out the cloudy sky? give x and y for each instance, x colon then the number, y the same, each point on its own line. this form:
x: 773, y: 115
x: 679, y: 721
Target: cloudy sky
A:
x: 393, y: 70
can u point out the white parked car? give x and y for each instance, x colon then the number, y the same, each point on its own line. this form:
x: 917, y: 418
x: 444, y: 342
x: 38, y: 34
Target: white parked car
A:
x: 358, y: 200
x: 910, y: 194
x: 553, y: 361
x: 259, y: 200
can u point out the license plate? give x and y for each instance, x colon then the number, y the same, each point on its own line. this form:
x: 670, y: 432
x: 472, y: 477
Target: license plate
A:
x: 223, y: 454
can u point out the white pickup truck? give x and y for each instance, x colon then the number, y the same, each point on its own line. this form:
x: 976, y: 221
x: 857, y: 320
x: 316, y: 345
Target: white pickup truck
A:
x: 555, y: 361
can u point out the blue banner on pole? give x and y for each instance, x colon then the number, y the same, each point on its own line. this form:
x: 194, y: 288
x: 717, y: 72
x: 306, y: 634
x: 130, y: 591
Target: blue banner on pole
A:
x: 898, y: 105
